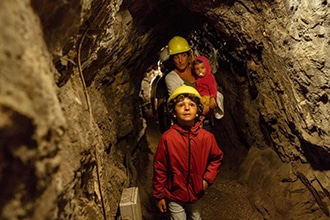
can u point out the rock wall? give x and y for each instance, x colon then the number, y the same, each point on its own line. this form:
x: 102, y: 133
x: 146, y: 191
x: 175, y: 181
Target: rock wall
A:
x: 71, y: 126
x: 68, y: 134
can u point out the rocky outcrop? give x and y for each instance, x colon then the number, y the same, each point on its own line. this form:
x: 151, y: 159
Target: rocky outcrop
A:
x: 71, y: 125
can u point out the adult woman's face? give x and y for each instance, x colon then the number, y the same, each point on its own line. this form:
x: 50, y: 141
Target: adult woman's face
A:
x: 181, y: 61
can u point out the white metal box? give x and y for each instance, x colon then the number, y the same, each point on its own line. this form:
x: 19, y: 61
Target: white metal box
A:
x: 130, y: 206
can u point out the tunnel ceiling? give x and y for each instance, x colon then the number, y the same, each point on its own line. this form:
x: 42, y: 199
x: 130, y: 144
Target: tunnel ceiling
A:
x: 154, y: 23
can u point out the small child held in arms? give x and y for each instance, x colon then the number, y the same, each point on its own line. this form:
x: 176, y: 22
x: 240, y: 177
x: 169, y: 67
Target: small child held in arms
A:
x: 205, y: 83
x: 187, y: 159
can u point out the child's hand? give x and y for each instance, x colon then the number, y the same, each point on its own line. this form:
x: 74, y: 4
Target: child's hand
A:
x: 206, y: 109
x: 161, y: 204
x: 205, y: 185
x: 213, y: 103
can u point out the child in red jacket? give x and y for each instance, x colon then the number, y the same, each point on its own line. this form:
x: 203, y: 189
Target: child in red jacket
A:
x: 187, y: 158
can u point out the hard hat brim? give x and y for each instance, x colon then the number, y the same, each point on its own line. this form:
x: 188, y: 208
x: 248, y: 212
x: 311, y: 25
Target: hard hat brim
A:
x: 184, y: 89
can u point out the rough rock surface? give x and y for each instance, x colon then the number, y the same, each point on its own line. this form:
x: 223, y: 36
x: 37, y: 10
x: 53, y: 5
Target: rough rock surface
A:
x: 71, y: 121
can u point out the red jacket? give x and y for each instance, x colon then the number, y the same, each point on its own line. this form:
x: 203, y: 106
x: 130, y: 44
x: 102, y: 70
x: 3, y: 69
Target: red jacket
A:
x: 183, y: 159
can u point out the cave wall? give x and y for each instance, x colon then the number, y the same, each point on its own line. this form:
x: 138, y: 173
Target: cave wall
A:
x: 71, y: 123
x: 67, y: 132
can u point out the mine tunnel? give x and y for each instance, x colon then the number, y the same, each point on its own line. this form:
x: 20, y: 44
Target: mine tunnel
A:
x: 75, y: 133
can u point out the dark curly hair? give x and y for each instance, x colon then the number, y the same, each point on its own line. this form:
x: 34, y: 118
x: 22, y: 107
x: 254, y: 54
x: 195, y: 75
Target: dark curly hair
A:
x: 179, y: 98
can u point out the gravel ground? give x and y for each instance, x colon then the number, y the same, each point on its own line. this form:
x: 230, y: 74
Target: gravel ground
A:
x: 226, y: 199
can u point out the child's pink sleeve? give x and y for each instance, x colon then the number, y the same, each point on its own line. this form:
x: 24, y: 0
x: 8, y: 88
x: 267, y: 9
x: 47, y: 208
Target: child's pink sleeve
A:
x: 213, y: 87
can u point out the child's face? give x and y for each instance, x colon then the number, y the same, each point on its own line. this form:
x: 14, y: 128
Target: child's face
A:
x: 200, y: 69
x: 186, y: 112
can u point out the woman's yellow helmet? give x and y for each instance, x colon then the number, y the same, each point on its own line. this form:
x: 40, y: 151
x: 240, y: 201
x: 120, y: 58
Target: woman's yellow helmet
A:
x: 178, y: 45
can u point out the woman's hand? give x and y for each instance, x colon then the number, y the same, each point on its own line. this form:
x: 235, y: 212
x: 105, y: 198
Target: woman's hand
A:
x: 161, y: 204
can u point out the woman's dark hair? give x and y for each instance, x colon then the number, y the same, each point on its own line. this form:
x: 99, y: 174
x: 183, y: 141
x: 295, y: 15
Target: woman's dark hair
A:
x: 181, y: 97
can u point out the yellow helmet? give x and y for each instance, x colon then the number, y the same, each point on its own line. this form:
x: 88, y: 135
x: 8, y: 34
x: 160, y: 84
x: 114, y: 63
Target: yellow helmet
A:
x: 182, y: 90
x: 178, y: 45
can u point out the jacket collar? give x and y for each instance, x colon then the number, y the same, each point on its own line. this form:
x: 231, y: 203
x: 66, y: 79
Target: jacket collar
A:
x: 185, y: 130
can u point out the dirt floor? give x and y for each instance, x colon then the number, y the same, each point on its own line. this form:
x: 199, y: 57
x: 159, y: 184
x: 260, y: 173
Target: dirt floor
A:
x: 226, y: 199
